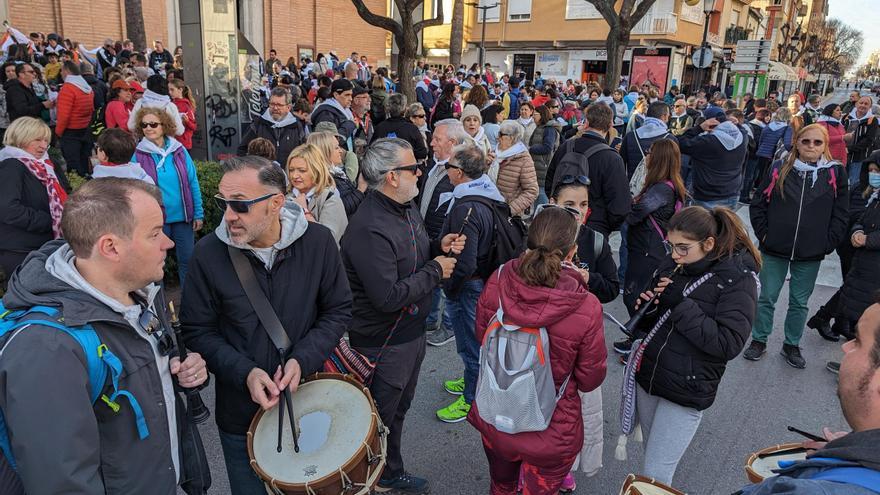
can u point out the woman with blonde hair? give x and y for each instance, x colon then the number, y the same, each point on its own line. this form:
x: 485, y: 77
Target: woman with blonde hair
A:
x: 32, y: 192
x: 312, y: 188
x: 800, y: 214
x: 329, y: 145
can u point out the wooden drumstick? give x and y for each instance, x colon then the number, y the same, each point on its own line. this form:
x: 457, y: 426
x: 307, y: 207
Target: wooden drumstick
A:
x: 292, y: 419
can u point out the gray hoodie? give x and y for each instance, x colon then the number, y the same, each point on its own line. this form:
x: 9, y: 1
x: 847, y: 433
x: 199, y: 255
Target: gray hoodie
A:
x: 293, y: 225
x: 62, y: 443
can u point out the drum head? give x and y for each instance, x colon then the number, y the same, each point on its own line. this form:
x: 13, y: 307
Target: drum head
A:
x: 649, y: 489
x: 764, y: 467
x: 333, y: 420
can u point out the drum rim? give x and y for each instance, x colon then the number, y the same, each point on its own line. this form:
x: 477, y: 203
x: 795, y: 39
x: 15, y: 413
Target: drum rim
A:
x: 345, y: 467
x: 633, y: 478
x: 768, y: 450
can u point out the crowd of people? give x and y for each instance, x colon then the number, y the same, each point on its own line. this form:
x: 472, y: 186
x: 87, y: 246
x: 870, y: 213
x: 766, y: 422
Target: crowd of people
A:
x: 482, y: 210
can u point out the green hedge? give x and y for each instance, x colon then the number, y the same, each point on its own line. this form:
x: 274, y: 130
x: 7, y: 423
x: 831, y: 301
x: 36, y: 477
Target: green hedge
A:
x: 209, y: 174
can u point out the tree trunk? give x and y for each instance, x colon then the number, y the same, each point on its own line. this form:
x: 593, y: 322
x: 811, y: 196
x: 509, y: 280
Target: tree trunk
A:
x: 456, y: 37
x: 618, y: 39
x: 406, y: 60
x: 134, y: 24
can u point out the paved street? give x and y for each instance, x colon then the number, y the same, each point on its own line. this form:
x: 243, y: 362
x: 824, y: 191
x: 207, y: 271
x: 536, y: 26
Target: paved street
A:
x: 755, y: 403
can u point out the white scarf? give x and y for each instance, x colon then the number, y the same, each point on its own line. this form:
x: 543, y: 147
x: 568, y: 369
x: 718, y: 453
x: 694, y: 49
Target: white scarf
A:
x: 652, y: 127
x: 276, y: 124
x: 20, y: 154
x: 525, y: 122
x: 826, y: 118
x: 516, y: 149
x: 852, y: 114
x: 814, y: 169
x: 776, y: 125
x: 729, y: 135
x: 481, y: 134
x: 148, y: 146
x: 758, y: 122
x: 478, y: 187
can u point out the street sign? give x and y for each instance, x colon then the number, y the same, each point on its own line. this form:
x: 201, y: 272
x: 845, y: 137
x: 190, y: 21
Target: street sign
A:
x: 750, y: 66
x: 752, y: 43
x: 703, y: 55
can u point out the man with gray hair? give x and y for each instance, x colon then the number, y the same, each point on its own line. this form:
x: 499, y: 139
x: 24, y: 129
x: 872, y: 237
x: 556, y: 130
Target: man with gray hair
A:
x: 388, y: 256
x: 469, y: 211
x: 396, y: 125
x: 297, y: 264
x: 278, y: 125
x: 448, y: 133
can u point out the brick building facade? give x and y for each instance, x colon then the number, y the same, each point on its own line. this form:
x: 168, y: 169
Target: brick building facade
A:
x: 293, y: 27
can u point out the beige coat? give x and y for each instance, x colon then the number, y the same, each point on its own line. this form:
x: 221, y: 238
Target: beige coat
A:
x: 518, y: 182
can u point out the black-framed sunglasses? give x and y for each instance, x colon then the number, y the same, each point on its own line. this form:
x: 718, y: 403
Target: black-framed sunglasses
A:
x: 152, y: 325
x: 414, y: 168
x: 542, y: 207
x: 571, y: 179
x: 151, y: 125
x: 679, y: 249
x: 239, y: 205
x: 448, y: 165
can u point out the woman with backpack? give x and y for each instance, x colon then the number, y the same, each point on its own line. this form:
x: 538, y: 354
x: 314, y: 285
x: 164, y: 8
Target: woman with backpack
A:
x: 707, y: 295
x: 542, y: 289
x: 800, y: 214
x: 543, y: 143
x: 777, y: 133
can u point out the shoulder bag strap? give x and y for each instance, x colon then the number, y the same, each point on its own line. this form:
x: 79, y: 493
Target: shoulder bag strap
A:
x: 258, y: 300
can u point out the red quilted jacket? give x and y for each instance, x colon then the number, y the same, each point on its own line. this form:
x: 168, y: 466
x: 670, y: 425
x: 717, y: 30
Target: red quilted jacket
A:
x: 573, y: 318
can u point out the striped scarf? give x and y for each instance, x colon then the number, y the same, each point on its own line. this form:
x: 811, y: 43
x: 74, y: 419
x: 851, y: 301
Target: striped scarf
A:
x: 44, y: 171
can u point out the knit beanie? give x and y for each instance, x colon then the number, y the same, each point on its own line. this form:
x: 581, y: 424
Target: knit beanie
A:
x: 471, y: 111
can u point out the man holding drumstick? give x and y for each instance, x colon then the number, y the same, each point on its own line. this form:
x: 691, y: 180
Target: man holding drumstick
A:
x: 297, y: 265
x: 849, y: 463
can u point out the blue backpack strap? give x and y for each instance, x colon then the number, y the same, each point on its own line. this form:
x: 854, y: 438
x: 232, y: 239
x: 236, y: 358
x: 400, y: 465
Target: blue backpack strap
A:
x: 851, y: 475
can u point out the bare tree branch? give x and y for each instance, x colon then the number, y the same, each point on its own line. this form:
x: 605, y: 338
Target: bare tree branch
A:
x: 606, y: 8
x: 437, y: 21
x: 381, y: 21
x: 641, y: 11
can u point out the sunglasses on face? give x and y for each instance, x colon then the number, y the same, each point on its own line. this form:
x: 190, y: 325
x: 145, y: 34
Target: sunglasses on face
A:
x: 151, y: 125
x: 448, y: 165
x: 239, y: 205
x: 414, y: 168
x: 419, y: 116
x: 153, y: 327
x: 814, y: 142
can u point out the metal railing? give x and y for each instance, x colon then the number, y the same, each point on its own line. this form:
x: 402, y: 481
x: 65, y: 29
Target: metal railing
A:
x: 736, y: 33
x: 657, y: 24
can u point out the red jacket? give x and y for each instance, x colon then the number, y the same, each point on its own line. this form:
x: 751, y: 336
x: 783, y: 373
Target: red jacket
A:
x: 835, y: 137
x: 75, y: 108
x: 189, y: 123
x: 573, y: 318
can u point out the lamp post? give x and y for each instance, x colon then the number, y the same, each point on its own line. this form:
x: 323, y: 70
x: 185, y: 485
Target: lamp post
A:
x: 708, y: 8
x: 484, y: 8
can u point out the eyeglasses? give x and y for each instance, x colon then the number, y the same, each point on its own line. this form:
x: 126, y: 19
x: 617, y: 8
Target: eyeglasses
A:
x: 448, y: 165
x: 239, y: 205
x: 151, y: 125
x: 419, y: 116
x: 277, y: 105
x: 679, y: 249
x: 414, y: 168
x: 153, y: 327
x: 573, y: 211
x: 571, y: 179
x: 814, y: 142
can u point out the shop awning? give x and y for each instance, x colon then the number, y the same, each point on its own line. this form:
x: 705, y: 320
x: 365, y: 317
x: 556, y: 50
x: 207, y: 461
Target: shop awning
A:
x: 781, y: 72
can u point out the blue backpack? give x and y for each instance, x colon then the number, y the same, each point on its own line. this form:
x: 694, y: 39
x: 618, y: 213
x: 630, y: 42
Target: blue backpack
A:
x: 100, y: 360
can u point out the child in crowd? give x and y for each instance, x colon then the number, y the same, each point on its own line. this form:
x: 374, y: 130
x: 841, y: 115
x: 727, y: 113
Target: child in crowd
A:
x: 115, y: 149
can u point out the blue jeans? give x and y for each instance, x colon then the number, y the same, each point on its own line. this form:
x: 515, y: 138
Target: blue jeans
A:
x: 854, y: 169
x: 437, y: 305
x: 184, y: 240
x: 242, y: 478
x: 463, y: 312
x: 727, y: 203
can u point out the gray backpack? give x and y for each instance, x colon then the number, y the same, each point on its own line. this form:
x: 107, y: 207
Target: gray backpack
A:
x: 515, y: 390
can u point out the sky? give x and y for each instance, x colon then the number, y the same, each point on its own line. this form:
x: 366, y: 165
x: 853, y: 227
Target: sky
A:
x: 863, y: 15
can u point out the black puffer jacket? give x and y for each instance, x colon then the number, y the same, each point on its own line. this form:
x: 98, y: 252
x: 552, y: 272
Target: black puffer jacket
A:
x: 603, y: 283
x: 809, y: 221
x: 863, y: 278
x: 284, y: 138
x: 22, y: 101
x: 686, y: 358
x: 402, y: 128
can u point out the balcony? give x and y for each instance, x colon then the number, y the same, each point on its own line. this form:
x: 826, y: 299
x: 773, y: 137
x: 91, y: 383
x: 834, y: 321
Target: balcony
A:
x: 736, y: 33
x: 654, y: 24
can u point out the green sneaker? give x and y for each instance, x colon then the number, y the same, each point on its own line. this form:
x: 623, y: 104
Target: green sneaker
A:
x: 454, y: 387
x: 455, y: 412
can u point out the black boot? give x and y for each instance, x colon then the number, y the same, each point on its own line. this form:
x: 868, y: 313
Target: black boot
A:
x: 843, y: 328
x: 823, y: 326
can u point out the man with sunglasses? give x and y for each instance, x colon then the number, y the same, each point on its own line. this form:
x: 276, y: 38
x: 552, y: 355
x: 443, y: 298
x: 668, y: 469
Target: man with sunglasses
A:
x: 337, y: 108
x: 296, y: 263
x: 21, y: 99
x: 106, y: 274
x: 278, y: 125
x: 388, y: 258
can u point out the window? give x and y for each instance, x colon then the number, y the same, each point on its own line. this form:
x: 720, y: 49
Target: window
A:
x: 734, y: 18
x: 519, y: 10
x: 447, y: 11
x: 581, y: 9
x: 493, y: 14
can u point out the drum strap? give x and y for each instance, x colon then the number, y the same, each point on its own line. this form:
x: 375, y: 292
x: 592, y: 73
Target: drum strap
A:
x: 256, y: 296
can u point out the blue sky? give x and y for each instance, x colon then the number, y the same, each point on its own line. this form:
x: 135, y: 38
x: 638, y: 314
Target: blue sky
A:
x: 863, y: 15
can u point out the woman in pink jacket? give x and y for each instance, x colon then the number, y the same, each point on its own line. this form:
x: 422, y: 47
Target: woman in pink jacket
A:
x: 542, y: 288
